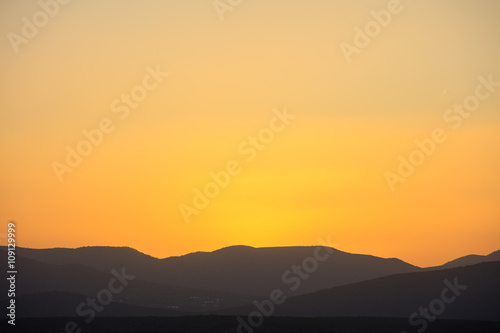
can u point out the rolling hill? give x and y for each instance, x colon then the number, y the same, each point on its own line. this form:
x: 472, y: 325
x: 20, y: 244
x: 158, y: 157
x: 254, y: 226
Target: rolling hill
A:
x: 400, y: 295
x: 237, y: 269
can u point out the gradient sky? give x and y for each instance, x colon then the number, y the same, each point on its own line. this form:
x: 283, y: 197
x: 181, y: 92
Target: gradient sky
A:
x: 321, y: 176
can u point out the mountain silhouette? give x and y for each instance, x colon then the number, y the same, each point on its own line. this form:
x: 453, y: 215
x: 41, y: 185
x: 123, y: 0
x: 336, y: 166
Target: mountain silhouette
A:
x: 472, y: 260
x: 63, y: 304
x: 228, y: 282
x: 238, y: 269
x: 400, y: 295
x: 37, y: 278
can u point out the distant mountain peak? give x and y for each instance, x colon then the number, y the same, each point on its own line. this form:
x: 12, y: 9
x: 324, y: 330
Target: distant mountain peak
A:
x: 235, y: 247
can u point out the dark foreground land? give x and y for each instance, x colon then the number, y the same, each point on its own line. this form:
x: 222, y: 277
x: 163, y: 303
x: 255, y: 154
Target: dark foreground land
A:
x: 222, y: 324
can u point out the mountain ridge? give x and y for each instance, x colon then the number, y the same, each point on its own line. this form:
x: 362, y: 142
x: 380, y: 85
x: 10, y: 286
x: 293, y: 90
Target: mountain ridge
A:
x: 237, y: 269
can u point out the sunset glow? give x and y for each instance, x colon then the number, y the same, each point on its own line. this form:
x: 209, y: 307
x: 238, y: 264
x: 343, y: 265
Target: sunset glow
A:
x: 319, y: 173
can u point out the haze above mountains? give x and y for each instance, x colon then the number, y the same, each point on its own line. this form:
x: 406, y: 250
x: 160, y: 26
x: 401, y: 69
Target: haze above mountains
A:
x: 228, y: 280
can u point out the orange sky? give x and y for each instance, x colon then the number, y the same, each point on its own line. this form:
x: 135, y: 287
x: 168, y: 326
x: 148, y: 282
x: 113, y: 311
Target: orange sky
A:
x: 322, y: 175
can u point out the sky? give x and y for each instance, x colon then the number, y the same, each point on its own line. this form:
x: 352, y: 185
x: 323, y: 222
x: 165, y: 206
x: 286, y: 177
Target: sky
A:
x: 307, y: 118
